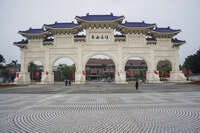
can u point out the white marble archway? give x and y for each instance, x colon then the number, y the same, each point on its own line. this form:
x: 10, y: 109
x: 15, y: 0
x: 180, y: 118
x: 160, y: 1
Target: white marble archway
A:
x: 51, y: 44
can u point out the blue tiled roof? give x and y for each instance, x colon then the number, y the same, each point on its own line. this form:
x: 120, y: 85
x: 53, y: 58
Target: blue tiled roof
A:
x: 150, y: 39
x: 165, y: 30
x: 109, y: 17
x: 33, y: 31
x: 48, y: 40
x: 62, y: 25
x: 119, y: 36
x: 136, y: 24
x: 22, y: 42
x: 177, y: 41
x: 79, y: 36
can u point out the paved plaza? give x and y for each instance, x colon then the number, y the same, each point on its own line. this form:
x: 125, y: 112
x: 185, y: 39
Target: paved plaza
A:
x: 100, y: 107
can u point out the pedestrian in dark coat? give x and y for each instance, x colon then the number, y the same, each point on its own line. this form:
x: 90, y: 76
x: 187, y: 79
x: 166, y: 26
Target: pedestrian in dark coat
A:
x: 66, y: 82
x: 136, y: 84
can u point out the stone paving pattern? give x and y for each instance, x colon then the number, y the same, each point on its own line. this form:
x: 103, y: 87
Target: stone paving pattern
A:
x: 92, y: 108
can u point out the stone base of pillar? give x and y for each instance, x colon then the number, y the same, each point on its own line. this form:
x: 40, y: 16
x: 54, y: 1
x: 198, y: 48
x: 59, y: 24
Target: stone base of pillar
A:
x: 79, y: 82
x: 121, y: 82
x: 47, y: 79
x: 152, y: 77
x: 24, y: 78
x: 120, y: 78
x: 79, y: 78
x: 177, y: 76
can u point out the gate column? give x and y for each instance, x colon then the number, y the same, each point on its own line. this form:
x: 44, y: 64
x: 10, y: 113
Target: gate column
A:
x: 151, y: 77
x: 120, y: 74
x: 176, y: 75
x: 79, y: 76
x: 24, y: 75
x: 120, y: 77
x: 47, y: 74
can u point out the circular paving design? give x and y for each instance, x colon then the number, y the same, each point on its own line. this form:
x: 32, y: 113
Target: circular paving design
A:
x: 106, y: 118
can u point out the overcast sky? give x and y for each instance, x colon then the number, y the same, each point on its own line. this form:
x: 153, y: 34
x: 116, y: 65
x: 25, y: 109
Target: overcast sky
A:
x: 18, y: 15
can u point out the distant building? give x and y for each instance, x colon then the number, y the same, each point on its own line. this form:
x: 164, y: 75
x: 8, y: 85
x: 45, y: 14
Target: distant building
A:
x: 96, y: 66
x: 194, y: 77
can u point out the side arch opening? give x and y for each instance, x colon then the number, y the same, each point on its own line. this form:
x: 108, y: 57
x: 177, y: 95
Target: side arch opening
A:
x: 164, y: 67
x: 35, y: 68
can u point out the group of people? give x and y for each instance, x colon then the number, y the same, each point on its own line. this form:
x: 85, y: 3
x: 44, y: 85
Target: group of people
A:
x: 67, y: 82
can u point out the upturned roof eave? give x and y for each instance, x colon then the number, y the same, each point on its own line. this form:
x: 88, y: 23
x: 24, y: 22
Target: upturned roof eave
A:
x: 32, y: 34
x: 20, y: 45
x: 180, y: 43
x: 175, y: 32
x: 71, y: 28
x: 123, y: 26
x: 151, y: 40
x: 115, y: 20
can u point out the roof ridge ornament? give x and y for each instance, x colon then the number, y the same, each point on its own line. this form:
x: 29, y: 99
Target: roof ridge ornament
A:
x: 87, y: 14
x: 111, y: 14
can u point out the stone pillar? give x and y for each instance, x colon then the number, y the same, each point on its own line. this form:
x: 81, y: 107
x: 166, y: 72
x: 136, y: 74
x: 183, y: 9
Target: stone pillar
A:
x: 47, y: 78
x: 120, y: 77
x: 47, y: 74
x: 151, y: 77
x: 79, y: 77
x: 176, y: 75
x: 24, y: 75
x: 120, y: 74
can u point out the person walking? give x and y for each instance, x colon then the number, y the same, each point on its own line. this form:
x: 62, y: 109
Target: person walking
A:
x: 69, y: 82
x: 136, y: 84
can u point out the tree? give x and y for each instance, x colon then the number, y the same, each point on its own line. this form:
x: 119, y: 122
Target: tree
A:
x: 2, y: 60
x: 137, y: 75
x: 164, y: 68
x: 14, y: 63
x: 101, y: 75
x: 67, y: 71
x: 3, y: 70
x: 192, y: 63
x: 34, y: 69
x: 13, y: 66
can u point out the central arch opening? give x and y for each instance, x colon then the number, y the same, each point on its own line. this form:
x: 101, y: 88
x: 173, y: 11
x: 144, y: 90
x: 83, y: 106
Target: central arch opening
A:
x: 135, y: 68
x: 100, y: 68
x: 64, y: 69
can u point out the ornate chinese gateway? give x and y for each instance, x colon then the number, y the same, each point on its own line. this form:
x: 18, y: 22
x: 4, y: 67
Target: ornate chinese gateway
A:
x: 102, y: 35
